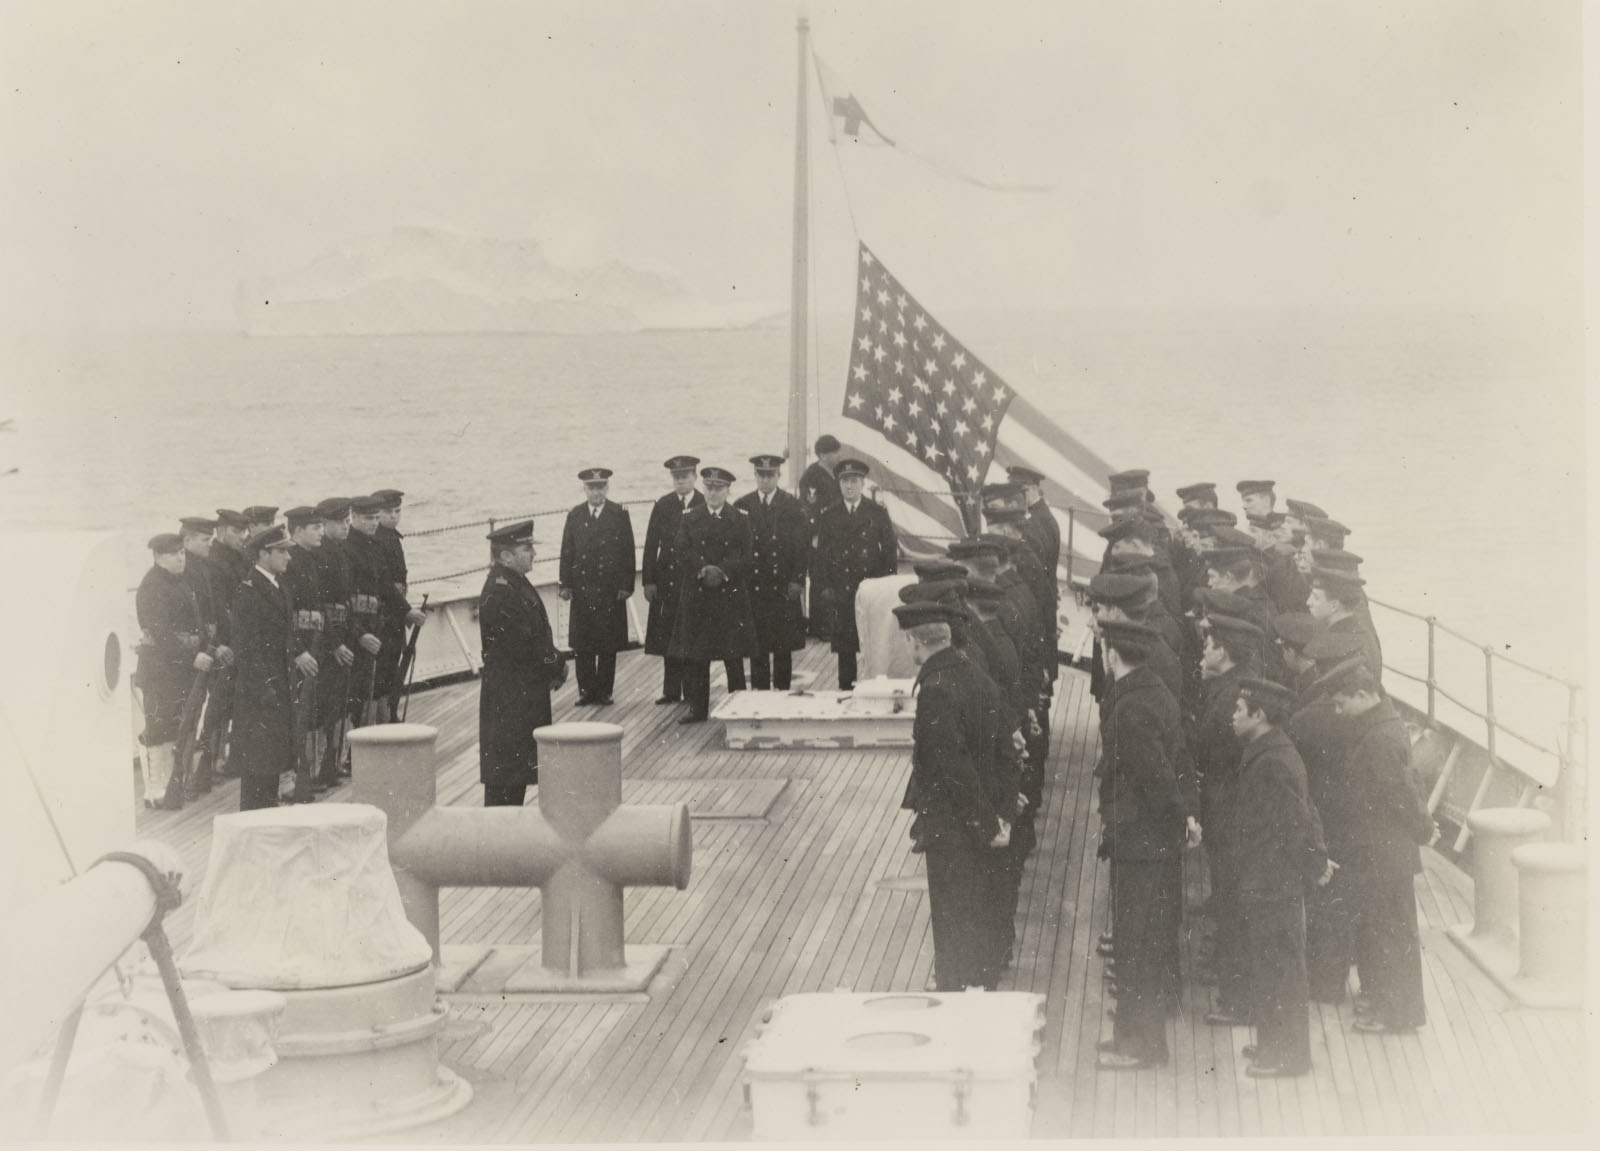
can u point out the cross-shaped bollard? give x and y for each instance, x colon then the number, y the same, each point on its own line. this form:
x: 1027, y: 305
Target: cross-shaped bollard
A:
x: 580, y: 846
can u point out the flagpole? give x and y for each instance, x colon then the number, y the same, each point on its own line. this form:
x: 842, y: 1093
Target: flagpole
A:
x: 798, y: 320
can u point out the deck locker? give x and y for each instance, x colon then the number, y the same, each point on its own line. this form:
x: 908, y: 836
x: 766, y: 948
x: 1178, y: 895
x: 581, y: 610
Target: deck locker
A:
x: 837, y: 1066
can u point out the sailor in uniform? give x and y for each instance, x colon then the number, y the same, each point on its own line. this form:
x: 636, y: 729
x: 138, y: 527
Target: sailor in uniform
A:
x: 855, y: 541
x: 391, y: 547
x: 1390, y: 824
x: 1146, y: 819
x: 596, y: 576
x: 370, y: 588
x: 819, y: 489
x: 229, y: 563
x: 263, y: 740
x: 1258, y: 497
x: 780, y: 548
x: 1336, y: 600
x: 1280, y: 857
x: 521, y: 667
x: 964, y: 797
x: 171, y: 651
x: 1041, y: 529
x: 207, y: 579
x: 339, y: 640
x: 260, y: 517
x: 301, y: 582
x: 659, y: 571
x: 713, y: 551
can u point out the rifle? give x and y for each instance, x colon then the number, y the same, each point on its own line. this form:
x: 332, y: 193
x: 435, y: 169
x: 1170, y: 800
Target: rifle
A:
x: 300, y: 705
x: 408, y: 666
x: 188, y: 727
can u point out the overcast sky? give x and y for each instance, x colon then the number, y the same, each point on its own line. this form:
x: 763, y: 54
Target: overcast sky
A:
x: 1239, y: 153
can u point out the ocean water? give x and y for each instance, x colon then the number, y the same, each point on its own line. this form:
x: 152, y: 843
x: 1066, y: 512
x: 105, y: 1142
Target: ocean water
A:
x: 1453, y: 446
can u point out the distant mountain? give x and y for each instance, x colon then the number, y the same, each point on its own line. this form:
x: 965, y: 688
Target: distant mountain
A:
x: 415, y: 279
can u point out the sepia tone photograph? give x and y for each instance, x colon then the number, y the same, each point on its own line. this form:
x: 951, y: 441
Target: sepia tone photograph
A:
x: 742, y: 571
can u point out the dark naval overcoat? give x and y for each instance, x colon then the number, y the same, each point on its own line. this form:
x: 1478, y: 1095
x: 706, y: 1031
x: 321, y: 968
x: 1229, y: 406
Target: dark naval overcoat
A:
x: 520, y: 668
x: 262, y: 742
x: 780, y: 548
x: 852, y: 547
x: 660, y: 568
x: 169, y: 614
x: 597, y: 567
x: 713, y: 620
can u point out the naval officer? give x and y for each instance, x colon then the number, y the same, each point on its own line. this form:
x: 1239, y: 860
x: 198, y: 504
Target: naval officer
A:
x: 263, y: 740
x: 855, y: 541
x: 521, y: 667
x: 780, y: 547
x: 659, y: 571
x: 596, y: 576
x: 964, y: 795
x: 819, y: 489
x: 713, y: 552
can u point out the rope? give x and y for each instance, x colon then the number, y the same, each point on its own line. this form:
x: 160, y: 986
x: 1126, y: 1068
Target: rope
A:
x: 452, y: 575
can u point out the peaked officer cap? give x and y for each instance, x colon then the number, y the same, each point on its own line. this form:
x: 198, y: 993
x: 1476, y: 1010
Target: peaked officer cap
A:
x: 520, y: 532
x: 682, y: 463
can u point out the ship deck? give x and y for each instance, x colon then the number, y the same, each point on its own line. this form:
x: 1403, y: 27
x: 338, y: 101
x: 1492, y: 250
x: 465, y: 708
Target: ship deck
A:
x: 804, y: 881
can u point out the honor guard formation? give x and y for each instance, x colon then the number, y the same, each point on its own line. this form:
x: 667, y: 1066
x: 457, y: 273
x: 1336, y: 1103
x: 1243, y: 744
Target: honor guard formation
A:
x: 264, y: 642
x: 1237, y: 672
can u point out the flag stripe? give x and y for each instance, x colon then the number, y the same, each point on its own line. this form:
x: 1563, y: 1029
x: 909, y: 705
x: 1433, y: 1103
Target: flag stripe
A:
x: 1031, y: 419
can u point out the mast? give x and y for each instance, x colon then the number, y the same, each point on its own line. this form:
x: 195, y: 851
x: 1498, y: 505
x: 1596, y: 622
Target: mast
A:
x: 798, y: 319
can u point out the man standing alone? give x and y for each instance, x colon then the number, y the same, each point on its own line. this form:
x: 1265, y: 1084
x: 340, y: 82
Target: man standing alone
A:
x: 597, y: 578
x: 521, y: 667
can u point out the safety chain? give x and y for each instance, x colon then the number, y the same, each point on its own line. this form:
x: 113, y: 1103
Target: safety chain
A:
x: 168, y: 898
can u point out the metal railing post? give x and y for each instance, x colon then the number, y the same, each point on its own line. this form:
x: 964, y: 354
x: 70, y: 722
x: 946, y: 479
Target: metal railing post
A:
x: 1573, y: 782
x: 1431, y: 678
x: 1488, y: 702
x: 1072, y: 520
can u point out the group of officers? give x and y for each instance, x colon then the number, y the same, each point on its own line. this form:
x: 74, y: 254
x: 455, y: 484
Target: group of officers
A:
x: 264, y: 642
x: 725, y: 580
x: 1238, y: 675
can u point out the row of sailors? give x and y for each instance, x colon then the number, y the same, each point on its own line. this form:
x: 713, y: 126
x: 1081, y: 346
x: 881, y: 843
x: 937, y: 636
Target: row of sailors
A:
x: 1257, y: 718
x: 263, y: 642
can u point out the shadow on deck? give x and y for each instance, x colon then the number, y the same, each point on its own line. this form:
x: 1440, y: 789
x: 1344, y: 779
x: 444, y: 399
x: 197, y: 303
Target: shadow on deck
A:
x: 822, y: 892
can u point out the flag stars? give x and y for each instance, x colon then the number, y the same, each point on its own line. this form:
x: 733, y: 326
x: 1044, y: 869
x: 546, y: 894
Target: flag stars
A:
x: 866, y: 260
x: 921, y: 385
x: 919, y: 323
x: 889, y: 421
x: 979, y: 378
x: 855, y: 401
x: 899, y: 338
x: 949, y: 388
x: 859, y: 372
x: 938, y: 340
x: 883, y: 296
x: 900, y: 367
x: 895, y: 395
x: 960, y: 359
x: 914, y: 408
x: 968, y: 404
x: 930, y: 367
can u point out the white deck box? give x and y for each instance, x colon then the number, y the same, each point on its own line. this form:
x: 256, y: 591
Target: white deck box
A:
x: 879, y: 713
x: 895, y: 1065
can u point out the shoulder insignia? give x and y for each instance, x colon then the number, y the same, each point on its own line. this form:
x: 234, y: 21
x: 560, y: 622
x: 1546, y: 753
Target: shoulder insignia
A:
x: 740, y: 510
x: 501, y: 580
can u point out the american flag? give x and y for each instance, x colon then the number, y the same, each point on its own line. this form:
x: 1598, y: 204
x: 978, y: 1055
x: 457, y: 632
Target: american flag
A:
x: 920, y: 388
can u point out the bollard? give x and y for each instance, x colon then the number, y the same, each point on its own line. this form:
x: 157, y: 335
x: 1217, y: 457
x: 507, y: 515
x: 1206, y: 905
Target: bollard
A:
x: 580, y: 846
x: 1490, y: 940
x: 1553, y: 924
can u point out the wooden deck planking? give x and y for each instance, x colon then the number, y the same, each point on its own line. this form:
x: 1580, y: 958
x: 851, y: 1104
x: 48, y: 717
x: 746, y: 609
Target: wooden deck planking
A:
x: 792, y: 902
